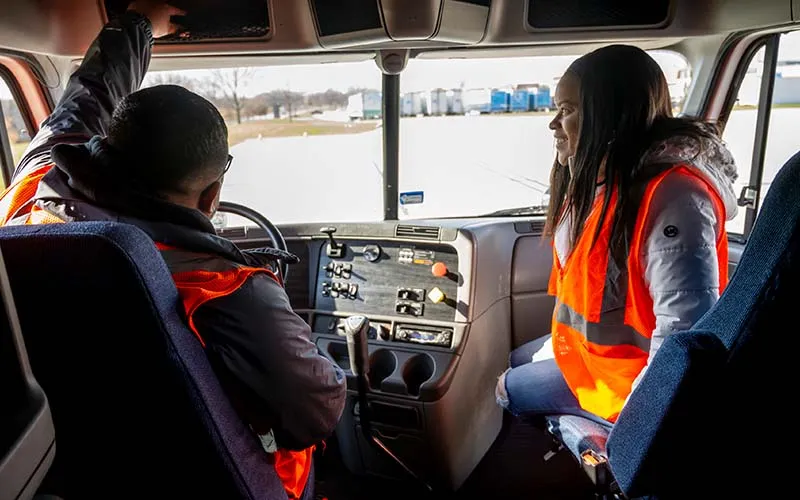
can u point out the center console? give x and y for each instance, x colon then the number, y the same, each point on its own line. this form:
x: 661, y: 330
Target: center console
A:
x: 409, y: 293
x: 435, y: 346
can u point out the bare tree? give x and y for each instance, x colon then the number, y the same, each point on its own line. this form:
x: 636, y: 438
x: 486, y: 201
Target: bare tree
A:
x: 229, y: 84
x: 292, y: 100
x: 172, y: 78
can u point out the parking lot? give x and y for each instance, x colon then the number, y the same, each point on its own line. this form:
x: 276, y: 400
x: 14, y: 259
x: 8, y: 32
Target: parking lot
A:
x: 465, y: 166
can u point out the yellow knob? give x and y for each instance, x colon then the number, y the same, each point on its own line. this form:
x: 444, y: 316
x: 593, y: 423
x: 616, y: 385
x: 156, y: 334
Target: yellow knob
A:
x: 436, y: 295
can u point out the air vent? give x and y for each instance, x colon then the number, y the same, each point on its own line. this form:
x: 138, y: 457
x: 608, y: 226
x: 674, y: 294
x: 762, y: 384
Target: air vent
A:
x: 416, y: 232
x: 232, y: 233
x: 533, y: 227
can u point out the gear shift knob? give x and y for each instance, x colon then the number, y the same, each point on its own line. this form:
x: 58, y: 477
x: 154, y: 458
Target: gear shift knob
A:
x: 356, y: 329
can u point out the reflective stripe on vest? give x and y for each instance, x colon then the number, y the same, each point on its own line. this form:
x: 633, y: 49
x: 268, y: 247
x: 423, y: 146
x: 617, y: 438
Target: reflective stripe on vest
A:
x: 202, y: 277
x: 603, y: 318
x: 17, y: 199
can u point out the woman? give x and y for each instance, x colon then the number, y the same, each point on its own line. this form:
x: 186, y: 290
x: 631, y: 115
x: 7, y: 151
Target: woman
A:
x: 637, y: 216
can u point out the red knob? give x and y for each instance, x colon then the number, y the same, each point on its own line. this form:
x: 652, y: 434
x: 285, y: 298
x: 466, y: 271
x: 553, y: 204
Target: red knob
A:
x: 439, y: 270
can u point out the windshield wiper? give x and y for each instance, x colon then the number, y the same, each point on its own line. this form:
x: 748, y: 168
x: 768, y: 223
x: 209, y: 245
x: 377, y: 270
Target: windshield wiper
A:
x: 520, y: 211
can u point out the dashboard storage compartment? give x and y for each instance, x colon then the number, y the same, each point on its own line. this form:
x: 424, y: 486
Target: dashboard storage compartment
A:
x: 395, y: 415
x: 410, y: 447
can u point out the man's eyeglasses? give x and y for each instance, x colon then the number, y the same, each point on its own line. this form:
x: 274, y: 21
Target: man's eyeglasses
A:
x: 227, y: 166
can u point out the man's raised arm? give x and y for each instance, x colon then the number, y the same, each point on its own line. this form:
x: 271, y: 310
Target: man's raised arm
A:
x: 113, y: 67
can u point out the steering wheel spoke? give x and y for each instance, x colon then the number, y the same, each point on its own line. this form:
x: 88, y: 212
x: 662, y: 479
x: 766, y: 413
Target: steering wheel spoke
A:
x: 278, y: 250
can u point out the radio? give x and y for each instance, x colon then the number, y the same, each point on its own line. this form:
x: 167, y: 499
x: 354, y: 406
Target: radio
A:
x: 442, y: 337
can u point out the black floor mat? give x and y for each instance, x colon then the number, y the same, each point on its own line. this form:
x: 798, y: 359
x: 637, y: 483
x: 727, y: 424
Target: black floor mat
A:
x: 513, y: 467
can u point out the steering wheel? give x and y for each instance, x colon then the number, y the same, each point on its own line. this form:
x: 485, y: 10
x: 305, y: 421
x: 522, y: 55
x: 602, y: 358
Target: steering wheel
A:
x: 272, y: 231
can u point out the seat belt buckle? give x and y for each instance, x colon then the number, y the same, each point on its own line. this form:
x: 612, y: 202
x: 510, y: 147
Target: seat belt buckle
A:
x: 596, y: 467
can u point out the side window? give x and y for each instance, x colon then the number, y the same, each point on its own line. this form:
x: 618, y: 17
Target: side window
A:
x: 15, y: 129
x: 741, y: 132
x: 782, y: 140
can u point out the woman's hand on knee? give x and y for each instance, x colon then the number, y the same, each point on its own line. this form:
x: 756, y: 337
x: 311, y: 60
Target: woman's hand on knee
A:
x: 500, y: 390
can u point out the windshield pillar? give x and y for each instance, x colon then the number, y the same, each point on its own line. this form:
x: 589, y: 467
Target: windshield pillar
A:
x: 391, y: 144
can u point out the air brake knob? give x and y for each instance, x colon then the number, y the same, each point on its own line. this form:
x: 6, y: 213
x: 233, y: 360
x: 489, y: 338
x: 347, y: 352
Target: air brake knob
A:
x: 439, y: 270
x: 436, y: 295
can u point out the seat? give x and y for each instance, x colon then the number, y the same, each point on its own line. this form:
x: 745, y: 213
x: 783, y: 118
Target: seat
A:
x: 27, y: 436
x: 137, y: 408
x: 707, y: 419
x: 711, y: 413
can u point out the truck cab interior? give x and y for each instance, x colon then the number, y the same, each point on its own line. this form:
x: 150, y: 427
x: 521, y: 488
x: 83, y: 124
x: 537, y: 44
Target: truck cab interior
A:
x: 400, y: 149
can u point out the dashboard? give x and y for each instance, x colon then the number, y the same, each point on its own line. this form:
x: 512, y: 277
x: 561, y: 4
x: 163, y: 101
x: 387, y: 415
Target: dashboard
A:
x: 446, y: 300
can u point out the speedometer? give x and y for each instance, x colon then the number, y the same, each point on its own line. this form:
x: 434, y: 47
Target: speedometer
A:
x: 372, y: 253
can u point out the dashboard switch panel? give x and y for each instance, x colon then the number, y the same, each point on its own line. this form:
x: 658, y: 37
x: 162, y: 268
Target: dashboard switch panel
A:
x: 393, y: 281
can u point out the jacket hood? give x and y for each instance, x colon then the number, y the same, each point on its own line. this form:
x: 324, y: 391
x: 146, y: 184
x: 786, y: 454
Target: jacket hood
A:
x: 708, y: 156
x: 89, y: 180
x: 93, y: 171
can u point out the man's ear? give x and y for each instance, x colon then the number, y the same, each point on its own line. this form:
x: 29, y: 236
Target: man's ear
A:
x: 209, y: 199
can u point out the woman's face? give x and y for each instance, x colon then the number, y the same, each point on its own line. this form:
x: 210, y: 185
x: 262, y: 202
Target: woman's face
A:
x: 567, y: 123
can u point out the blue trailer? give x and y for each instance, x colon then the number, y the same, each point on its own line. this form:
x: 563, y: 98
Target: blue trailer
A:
x: 500, y: 101
x: 540, y: 99
x: 520, y: 100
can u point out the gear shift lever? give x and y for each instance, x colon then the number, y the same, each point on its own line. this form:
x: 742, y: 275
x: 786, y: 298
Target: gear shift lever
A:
x: 356, y: 329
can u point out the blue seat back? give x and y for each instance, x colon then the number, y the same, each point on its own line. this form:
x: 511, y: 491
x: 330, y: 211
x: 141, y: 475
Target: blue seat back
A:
x: 707, y: 414
x: 137, y: 409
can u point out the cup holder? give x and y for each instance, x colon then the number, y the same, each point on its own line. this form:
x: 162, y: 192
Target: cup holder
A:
x: 418, y: 370
x: 338, y: 353
x: 382, y: 363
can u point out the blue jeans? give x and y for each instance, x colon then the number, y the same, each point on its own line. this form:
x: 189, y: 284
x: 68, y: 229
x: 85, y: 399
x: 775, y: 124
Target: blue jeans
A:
x: 537, y: 387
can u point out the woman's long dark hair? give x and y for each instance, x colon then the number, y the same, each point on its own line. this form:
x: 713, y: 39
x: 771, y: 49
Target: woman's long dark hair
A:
x: 625, y: 109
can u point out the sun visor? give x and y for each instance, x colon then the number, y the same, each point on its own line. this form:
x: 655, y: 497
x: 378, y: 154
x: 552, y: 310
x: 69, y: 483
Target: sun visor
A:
x: 546, y: 15
x: 213, y: 20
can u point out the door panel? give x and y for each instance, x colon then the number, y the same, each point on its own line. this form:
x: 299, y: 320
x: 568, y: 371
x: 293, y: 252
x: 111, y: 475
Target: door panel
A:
x: 531, y: 307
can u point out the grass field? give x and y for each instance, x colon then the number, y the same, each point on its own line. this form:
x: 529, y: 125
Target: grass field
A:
x: 17, y: 149
x: 267, y: 128
x: 284, y: 128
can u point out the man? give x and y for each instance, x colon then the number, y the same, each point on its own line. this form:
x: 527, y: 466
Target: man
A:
x: 156, y: 158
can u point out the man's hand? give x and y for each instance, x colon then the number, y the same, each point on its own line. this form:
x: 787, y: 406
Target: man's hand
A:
x: 159, y: 13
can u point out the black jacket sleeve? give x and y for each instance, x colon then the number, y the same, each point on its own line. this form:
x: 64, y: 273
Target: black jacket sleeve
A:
x: 112, y: 68
x: 264, y: 356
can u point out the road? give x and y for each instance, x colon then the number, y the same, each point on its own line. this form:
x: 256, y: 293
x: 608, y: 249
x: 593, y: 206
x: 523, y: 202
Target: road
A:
x: 464, y: 166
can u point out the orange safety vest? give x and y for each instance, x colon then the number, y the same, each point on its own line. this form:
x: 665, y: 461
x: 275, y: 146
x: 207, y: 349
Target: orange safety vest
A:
x: 603, y: 319
x: 17, y: 199
x: 195, y: 287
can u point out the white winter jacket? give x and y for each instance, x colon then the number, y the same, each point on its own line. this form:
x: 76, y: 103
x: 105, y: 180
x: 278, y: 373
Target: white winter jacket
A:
x: 680, y: 263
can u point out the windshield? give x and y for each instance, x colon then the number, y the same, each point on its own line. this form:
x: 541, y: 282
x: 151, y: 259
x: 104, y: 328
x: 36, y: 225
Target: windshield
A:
x: 483, y: 143
x: 308, y: 146
x: 306, y: 140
